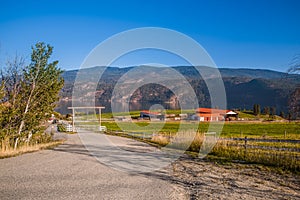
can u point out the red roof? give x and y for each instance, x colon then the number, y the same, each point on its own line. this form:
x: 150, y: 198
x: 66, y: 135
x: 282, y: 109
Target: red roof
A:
x: 211, y: 110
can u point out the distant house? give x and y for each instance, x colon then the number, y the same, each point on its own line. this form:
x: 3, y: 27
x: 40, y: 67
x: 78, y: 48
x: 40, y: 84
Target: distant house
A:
x: 151, y: 115
x: 231, y: 115
x: 212, y: 114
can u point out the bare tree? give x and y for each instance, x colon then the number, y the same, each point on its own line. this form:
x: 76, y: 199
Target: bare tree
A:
x: 11, y: 78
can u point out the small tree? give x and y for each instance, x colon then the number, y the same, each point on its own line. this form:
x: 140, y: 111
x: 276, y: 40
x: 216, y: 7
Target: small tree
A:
x: 266, y: 110
x: 39, y: 90
x: 256, y: 109
x: 11, y: 76
x: 273, y: 112
x: 281, y: 114
x: 289, y: 117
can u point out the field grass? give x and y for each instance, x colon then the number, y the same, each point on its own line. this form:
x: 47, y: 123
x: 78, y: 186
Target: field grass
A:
x: 248, y: 114
x: 10, y: 152
x: 282, y: 159
x: 242, y: 114
x: 266, y: 130
x: 262, y: 127
x: 234, y: 151
x: 275, y: 130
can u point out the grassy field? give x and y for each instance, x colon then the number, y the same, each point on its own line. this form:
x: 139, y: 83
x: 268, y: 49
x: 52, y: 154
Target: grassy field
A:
x: 253, y: 129
x: 270, y: 130
x: 248, y: 115
x: 282, y: 159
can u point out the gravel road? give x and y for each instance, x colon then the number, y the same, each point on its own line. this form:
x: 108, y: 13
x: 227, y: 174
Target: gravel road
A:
x: 70, y: 172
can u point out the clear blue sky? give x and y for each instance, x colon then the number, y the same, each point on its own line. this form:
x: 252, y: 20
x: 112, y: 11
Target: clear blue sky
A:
x: 239, y: 34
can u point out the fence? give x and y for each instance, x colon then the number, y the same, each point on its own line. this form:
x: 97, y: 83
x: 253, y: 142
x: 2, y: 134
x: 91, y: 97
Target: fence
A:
x: 264, y: 144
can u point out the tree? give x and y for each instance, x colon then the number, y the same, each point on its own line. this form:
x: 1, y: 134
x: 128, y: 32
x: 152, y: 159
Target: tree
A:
x: 273, y: 111
x: 267, y: 110
x: 2, y: 106
x: 289, y: 117
x: 281, y: 114
x: 31, y: 93
x: 40, y: 89
x: 2, y: 94
x: 11, y: 78
x: 256, y: 109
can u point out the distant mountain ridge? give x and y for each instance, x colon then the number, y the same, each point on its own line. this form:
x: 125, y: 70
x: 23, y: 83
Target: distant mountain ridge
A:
x: 244, y: 87
x: 188, y: 71
x: 252, y: 73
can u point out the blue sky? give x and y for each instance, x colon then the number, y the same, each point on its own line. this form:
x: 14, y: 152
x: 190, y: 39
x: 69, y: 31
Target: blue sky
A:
x: 238, y: 34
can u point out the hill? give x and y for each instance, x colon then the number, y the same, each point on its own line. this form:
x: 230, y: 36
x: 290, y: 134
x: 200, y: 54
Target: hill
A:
x: 244, y: 87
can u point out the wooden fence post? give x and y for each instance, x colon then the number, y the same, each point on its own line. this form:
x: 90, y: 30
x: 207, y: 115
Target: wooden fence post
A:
x: 284, y: 134
x: 245, y: 146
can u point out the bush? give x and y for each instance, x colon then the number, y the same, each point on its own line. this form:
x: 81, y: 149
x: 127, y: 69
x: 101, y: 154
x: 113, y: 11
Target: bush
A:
x: 61, y: 128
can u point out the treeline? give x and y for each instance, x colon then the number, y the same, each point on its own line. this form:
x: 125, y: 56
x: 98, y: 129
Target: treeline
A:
x: 268, y: 110
x: 27, y: 97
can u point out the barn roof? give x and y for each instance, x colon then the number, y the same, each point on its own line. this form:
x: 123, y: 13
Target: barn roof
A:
x: 211, y: 110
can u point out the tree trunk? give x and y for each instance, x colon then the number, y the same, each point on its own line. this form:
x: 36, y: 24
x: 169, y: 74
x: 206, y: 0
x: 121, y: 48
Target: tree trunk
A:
x: 25, y: 112
x: 16, y: 143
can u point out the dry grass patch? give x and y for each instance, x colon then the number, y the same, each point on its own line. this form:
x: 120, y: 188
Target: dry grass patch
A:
x: 160, y: 140
x: 278, y: 158
x: 10, y: 152
x: 235, y: 150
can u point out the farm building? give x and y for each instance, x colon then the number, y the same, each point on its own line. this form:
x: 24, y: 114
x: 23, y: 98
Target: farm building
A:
x: 151, y: 115
x: 211, y: 114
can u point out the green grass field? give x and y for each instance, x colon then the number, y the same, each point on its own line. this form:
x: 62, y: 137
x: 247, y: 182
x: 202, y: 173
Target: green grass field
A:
x: 273, y: 130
